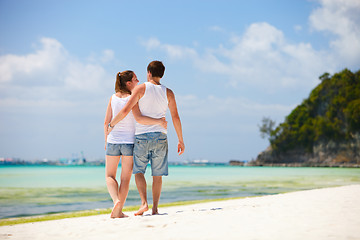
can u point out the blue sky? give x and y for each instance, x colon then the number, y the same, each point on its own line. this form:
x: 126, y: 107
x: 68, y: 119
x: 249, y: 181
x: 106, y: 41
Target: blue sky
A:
x: 230, y: 63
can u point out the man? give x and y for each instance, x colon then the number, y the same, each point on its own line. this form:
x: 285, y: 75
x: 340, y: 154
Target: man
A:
x: 151, y: 99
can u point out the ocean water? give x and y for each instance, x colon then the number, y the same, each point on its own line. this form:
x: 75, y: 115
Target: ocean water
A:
x: 35, y: 190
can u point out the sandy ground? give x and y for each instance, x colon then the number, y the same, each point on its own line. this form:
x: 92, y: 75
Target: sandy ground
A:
x: 331, y: 213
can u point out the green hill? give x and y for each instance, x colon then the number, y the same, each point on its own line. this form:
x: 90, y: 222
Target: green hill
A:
x: 324, y: 130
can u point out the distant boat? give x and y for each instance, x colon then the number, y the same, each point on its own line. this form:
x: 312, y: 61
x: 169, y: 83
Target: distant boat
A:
x: 198, y: 162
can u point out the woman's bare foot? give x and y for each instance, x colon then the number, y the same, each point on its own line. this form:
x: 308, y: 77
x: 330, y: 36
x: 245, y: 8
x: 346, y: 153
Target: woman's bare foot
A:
x: 142, y: 209
x: 122, y: 215
x: 116, y: 212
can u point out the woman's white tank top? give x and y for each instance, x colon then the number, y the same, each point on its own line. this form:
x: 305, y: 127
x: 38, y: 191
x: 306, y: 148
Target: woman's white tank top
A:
x: 124, y: 131
x: 153, y: 104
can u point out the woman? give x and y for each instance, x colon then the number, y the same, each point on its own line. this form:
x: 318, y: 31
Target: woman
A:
x: 119, y: 143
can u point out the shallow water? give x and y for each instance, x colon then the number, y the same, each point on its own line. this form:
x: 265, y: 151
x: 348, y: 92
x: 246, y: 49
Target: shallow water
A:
x: 32, y: 190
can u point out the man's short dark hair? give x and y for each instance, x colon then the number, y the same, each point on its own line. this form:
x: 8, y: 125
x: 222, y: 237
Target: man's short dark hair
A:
x: 156, y: 68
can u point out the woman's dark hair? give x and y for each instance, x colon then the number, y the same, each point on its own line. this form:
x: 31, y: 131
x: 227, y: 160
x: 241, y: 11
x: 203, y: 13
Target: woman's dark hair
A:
x: 121, y: 79
x: 156, y: 68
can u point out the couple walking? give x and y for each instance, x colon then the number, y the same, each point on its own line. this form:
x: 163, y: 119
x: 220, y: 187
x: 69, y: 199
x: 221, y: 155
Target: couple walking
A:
x: 136, y: 130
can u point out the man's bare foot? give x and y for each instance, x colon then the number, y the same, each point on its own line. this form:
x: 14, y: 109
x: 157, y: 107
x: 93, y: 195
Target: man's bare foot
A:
x: 116, y: 212
x: 142, y: 209
x: 155, y: 211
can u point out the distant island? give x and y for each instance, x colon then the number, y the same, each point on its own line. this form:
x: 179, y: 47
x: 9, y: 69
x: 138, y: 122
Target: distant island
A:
x: 323, y: 131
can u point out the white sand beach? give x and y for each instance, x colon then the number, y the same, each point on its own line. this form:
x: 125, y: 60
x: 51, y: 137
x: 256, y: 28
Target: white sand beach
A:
x: 330, y: 213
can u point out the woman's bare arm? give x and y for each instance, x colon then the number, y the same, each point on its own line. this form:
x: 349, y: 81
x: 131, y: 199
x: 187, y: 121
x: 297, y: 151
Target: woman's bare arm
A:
x: 107, y: 120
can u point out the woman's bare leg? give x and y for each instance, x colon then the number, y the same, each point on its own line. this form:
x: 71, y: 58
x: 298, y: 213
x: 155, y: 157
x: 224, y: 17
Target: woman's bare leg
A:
x: 111, y: 166
x: 126, y: 171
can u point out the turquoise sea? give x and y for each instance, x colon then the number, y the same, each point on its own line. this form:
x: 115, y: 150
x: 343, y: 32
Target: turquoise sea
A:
x: 34, y: 190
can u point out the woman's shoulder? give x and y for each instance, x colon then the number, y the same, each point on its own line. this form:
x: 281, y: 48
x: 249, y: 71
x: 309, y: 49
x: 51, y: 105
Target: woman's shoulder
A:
x: 118, y: 96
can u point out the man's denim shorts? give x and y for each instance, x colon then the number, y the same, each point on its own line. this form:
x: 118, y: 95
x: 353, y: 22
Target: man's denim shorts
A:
x: 151, y: 147
x: 119, y: 149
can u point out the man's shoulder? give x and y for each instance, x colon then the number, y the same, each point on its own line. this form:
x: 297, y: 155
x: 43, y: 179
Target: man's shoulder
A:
x: 170, y: 94
x: 168, y: 90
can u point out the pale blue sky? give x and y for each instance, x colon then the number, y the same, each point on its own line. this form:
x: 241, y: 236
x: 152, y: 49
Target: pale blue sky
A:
x: 229, y: 63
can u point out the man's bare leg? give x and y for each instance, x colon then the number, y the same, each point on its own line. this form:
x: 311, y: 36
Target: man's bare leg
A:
x: 156, y: 191
x: 141, y: 186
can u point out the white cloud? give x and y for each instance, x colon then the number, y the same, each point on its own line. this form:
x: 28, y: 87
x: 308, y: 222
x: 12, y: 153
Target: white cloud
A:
x: 298, y: 28
x: 216, y: 28
x: 227, y: 107
x: 107, y: 56
x: 53, y: 65
x: 261, y: 57
x: 24, y: 103
x: 44, y: 60
x: 260, y: 37
x: 84, y: 77
x: 342, y: 19
x: 174, y: 51
x: 227, y: 115
x: 264, y: 58
x: 51, y: 74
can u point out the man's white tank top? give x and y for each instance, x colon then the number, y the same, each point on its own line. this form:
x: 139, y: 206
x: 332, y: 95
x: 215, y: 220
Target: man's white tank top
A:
x: 124, y: 131
x: 153, y: 104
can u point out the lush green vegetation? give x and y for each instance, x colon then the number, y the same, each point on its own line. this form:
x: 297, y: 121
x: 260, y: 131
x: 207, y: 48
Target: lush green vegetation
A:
x: 331, y: 113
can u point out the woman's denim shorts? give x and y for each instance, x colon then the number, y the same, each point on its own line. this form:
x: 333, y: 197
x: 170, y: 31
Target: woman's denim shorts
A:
x: 119, y: 149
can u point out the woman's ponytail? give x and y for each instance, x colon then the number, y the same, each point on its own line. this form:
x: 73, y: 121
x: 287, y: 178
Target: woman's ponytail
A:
x: 118, y: 82
x: 121, y: 79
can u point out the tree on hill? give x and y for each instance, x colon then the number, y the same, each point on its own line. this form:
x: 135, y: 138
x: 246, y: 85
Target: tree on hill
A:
x: 331, y: 113
x: 267, y: 128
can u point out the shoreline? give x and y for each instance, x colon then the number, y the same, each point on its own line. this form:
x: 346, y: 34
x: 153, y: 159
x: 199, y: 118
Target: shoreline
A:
x: 132, y: 208
x: 325, y: 213
x: 95, y: 212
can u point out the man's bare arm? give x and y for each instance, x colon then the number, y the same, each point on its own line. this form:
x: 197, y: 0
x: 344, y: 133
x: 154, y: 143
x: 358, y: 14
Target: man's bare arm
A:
x: 176, y: 120
x: 137, y: 93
